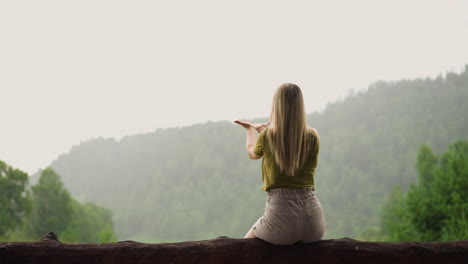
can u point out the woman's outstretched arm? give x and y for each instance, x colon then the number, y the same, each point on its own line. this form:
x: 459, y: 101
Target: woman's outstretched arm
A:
x: 252, y: 130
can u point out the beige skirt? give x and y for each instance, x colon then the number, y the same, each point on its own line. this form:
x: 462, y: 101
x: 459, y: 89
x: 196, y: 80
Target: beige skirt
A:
x: 291, y: 216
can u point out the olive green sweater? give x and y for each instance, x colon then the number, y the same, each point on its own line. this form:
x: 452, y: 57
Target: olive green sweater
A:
x: 271, y: 173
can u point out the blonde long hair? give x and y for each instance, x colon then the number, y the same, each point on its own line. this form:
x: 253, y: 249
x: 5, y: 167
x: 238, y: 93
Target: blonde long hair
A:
x: 287, y: 137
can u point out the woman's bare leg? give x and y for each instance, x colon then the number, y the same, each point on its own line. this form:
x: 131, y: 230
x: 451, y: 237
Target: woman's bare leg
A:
x: 251, y: 233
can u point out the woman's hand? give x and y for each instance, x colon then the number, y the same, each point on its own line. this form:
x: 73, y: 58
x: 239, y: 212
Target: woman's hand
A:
x: 260, y: 126
x: 257, y: 126
x: 244, y: 123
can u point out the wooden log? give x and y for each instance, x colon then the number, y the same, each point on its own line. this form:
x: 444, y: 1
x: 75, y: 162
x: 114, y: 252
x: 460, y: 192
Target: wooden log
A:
x: 230, y: 250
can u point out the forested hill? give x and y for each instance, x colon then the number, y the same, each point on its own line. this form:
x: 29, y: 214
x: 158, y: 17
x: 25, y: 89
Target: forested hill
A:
x: 196, y: 182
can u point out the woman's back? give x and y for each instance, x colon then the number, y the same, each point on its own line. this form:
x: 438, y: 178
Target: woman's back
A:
x: 272, y: 175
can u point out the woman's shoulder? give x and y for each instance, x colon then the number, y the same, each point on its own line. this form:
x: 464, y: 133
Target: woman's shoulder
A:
x: 313, y: 134
x: 263, y: 135
x: 312, y: 131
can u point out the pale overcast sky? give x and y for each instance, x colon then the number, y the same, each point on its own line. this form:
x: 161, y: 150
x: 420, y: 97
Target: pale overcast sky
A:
x: 74, y: 70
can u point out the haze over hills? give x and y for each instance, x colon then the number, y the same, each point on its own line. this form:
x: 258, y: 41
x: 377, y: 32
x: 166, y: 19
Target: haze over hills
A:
x: 196, y: 182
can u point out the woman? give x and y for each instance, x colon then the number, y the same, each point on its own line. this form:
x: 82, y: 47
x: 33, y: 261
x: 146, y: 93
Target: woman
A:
x: 290, y: 150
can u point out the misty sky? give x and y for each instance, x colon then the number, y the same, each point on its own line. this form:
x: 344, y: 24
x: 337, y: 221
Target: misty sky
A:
x: 74, y: 70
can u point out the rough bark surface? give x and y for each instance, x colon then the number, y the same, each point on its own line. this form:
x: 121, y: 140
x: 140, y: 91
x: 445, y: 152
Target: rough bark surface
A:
x: 230, y: 250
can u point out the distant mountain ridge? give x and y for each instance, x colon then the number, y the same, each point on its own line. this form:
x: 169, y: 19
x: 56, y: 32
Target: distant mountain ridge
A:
x: 196, y: 182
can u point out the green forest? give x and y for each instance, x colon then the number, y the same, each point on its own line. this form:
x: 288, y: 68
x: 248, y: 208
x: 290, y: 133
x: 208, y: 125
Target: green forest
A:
x: 436, y: 208
x: 27, y: 214
x: 392, y: 166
